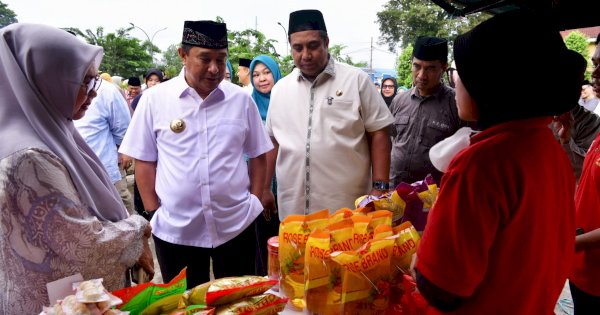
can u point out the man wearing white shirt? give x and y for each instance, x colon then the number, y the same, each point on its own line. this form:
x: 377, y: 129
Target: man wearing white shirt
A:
x: 189, y: 136
x: 103, y: 128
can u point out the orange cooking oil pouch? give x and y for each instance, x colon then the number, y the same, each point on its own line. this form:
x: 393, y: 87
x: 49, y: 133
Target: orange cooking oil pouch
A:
x: 379, y: 217
x: 319, y: 275
x: 405, y: 245
x: 383, y: 231
x: 294, y: 231
x: 365, y: 287
x: 361, y: 229
x: 339, y: 215
x: 316, y: 270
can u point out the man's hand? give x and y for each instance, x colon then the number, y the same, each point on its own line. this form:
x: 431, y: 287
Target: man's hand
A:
x: 375, y: 192
x: 268, y: 202
x: 125, y: 161
x: 562, y: 124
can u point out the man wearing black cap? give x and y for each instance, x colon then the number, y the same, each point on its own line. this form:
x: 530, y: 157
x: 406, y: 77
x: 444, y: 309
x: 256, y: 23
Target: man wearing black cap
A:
x: 151, y: 78
x: 425, y: 115
x: 330, y: 127
x: 134, y: 88
x: 244, y: 74
x: 189, y: 137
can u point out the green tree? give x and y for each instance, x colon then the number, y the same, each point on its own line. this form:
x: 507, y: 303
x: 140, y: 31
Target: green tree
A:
x: 402, y: 21
x: 248, y: 44
x: 7, y: 16
x: 286, y: 65
x: 336, y: 52
x: 404, y: 77
x: 171, y: 61
x: 124, y: 55
x: 578, y: 42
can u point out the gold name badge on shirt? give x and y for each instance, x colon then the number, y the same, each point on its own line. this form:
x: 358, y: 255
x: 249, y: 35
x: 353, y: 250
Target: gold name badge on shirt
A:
x: 177, y: 125
x: 339, y: 93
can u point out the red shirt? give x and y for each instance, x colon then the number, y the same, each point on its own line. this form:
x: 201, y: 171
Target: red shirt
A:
x: 501, y: 233
x: 586, y: 271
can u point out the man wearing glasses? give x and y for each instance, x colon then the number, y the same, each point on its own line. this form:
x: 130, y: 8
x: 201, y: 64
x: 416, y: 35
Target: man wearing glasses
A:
x: 103, y: 128
x: 424, y: 115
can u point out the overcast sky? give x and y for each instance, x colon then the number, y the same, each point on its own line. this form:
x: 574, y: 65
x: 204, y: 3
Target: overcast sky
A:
x: 351, y: 23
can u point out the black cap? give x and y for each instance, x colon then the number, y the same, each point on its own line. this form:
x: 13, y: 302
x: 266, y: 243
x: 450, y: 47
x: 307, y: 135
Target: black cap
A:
x: 431, y: 48
x: 152, y: 71
x: 504, y: 43
x: 244, y: 62
x: 206, y: 34
x: 306, y: 20
x: 134, y: 81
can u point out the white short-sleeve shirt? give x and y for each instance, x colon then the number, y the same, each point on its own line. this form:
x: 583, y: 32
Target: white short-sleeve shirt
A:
x: 201, y: 178
x: 324, y: 159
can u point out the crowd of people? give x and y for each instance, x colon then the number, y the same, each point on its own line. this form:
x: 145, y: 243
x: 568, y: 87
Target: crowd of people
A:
x: 217, y: 165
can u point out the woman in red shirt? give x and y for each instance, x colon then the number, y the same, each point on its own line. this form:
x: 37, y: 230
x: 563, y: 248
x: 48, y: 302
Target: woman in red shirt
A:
x: 500, y: 236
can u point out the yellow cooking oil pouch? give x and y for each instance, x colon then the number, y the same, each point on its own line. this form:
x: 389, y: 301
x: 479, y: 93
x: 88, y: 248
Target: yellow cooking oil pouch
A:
x: 365, y: 287
x: 294, y: 231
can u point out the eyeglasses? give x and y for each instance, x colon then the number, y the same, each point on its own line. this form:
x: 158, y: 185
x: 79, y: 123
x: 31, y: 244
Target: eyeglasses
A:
x: 93, y: 83
x: 391, y: 86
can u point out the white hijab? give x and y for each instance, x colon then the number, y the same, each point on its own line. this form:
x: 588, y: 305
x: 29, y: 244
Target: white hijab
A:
x: 43, y: 68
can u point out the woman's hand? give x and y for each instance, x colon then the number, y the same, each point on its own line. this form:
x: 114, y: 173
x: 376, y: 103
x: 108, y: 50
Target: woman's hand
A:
x: 146, y: 261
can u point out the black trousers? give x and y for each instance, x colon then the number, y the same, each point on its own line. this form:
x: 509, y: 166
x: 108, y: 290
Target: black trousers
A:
x: 264, y: 230
x: 234, y: 258
x: 584, y: 303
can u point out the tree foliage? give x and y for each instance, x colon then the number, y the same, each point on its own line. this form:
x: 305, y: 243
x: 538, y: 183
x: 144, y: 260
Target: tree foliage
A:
x: 578, y: 42
x: 404, y: 69
x: 335, y: 51
x: 124, y: 55
x: 402, y: 21
x: 7, y: 16
x: 248, y: 44
x: 171, y: 63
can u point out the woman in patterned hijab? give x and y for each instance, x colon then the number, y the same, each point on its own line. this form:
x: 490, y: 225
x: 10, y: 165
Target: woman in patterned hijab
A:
x: 60, y: 214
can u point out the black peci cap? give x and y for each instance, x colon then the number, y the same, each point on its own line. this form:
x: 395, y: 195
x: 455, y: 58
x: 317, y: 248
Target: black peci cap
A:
x: 206, y: 34
x: 306, y: 20
x: 431, y: 48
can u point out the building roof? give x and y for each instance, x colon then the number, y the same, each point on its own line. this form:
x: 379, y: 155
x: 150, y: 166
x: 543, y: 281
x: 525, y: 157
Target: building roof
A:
x: 590, y: 32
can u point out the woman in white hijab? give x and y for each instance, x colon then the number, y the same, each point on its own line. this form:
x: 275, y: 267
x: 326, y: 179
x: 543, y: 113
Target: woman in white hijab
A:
x: 59, y: 212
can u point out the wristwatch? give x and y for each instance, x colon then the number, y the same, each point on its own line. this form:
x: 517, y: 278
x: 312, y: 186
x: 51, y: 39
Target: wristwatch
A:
x: 381, y: 185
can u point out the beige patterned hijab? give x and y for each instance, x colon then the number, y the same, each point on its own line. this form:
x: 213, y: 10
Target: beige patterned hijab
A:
x: 43, y: 68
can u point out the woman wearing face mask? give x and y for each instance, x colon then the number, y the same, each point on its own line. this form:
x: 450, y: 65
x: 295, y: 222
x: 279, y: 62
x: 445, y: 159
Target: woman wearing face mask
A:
x: 389, y: 88
x: 500, y: 236
x: 265, y: 73
x: 60, y: 213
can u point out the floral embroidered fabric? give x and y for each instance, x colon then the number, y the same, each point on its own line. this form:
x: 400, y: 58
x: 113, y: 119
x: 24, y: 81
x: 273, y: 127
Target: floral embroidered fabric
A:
x: 47, y: 234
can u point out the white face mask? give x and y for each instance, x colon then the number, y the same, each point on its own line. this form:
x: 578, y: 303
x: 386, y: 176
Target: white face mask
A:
x: 444, y: 151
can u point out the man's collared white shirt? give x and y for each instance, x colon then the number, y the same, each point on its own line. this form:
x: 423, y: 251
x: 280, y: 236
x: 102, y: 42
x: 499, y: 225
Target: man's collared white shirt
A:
x: 201, y: 179
x: 104, y: 125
